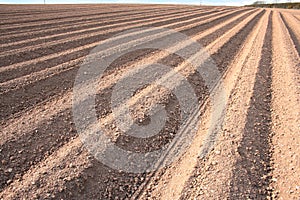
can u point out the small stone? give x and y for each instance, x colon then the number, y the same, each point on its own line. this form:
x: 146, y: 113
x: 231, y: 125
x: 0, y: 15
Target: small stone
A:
x: 218, y: 152
x: 18, y: 176
x: 9, y: 170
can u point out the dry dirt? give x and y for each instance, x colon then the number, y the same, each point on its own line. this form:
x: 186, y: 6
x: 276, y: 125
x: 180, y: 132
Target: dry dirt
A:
x: 253, y: 155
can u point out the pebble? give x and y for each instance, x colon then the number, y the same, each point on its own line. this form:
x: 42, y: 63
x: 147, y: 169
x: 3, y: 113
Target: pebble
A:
x: 9, y: 170
x: 214, y: 162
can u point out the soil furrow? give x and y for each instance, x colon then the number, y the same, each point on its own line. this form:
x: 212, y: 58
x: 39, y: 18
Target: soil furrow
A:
x: 36, y: 76
x: 35, y: 18
x: 86, y: 48
x: 97, y: 9
x: 68, y: 11
x: 75, y: 41
x: 14, y: 70
x: 248, y: 151
x: 294, y: 30
x: 166, y: 185
x: 30, y: 23
x: 251, y: 173
x: 212, y: 174
x: 104, y: 26
x: 206, y: 34
x: 76, y: 22
x: 21, y: 32
x: 89, y: 183
x: 32, y: 94
x: 14, y: 15
x: 87, y: 25
x: 113, y: 77
x: 66, y: 25
x: 224, y: 29
x: 285, y: 113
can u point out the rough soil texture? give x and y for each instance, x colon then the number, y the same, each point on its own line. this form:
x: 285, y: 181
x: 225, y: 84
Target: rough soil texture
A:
x: 253, y: 155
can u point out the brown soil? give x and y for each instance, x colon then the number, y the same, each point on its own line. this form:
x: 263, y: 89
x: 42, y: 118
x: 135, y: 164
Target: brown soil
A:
x: 252, y: 156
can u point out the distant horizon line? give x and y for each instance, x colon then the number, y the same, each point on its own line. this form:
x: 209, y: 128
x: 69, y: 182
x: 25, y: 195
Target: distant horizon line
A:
x: 167, y: 3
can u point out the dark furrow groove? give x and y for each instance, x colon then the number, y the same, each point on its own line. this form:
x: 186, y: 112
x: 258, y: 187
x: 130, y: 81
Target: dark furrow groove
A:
x: 207, y: 39
x: 75, y: 22
x: 43, y: 51
x: 251, y: 171
x: 100, y: 27
x: 65, y: 17
x: 228, y: 50
x: 115, y: 183
x: 292, y: 34
x: 14, y: 73
x: 21, y: 153
x: 12, y: 14
x: 222, y: 59
x: 31, y: 94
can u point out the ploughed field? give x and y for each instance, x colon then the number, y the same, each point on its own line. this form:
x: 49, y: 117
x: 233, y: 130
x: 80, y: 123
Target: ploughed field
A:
x: 252, y: 152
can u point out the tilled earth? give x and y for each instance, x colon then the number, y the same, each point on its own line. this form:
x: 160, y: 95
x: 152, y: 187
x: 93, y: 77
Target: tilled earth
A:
x: 253, y: 153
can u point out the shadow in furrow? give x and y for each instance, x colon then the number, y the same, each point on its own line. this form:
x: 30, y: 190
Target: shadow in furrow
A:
x: 50, y: 49
x: 250, y: 173
x: 115, y: 183
x: 32, y: 94
x: 19, y: 154
x: 223, y: 59
x: 215, y: 35
x: 292, y: 34
x: 226, y: 54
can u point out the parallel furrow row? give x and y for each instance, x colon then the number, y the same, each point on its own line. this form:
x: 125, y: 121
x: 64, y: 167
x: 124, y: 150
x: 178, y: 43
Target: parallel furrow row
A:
x: 245, y: 155
x: 76, y: 53
x: 61, y: 23
x: 104, y: 26
x: 48, y: 20
x: 65, y: 117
